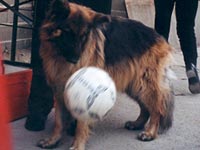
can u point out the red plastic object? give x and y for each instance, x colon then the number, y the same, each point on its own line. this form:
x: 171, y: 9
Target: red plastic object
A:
x: 14, y: 92
x: 5, y: 140
x: 2, y: 69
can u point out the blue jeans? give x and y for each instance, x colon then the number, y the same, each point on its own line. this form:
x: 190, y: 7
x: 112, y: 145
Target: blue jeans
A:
x: 185, y: 11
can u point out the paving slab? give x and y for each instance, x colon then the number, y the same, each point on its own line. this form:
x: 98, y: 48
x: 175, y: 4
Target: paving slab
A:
x: 110, y: 133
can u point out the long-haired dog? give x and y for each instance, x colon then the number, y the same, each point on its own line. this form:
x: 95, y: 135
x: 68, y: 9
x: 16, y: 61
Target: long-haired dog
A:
x: 135, y: 56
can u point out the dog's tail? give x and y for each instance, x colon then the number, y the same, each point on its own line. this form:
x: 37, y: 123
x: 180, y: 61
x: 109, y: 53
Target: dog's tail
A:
x: 166, y: 120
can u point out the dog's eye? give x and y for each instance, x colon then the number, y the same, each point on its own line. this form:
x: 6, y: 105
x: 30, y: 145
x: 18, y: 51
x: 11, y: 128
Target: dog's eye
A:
x: 57, y: 33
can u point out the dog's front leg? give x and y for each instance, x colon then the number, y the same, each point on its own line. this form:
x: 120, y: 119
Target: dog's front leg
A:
x: 55, y: 138
x: 81, y: 136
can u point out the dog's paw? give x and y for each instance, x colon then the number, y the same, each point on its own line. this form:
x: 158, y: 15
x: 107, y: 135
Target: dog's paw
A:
x: 145, y: 136
x: 77, y: 145
x: 74, y: 147
x: 49, y: 143
x: 133, y: 125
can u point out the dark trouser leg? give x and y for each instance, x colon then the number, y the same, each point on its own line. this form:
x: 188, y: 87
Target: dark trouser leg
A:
x: 163, y: 12
x: 185, y: 15
x: 103, y: 6
x: 41, y: 97
x: 40, y: 103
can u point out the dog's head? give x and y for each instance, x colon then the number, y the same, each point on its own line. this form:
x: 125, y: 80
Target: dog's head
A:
x: 67, y: 26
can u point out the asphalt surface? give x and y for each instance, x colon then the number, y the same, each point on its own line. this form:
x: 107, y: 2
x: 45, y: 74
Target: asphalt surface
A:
x: 110, y: 134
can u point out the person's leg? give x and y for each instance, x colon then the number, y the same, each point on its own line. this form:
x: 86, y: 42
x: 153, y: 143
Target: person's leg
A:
x: 40, y: 103
x: 185, y: 15
x: 163, y: 12
x: 40, y: 100
x: 103, y: 6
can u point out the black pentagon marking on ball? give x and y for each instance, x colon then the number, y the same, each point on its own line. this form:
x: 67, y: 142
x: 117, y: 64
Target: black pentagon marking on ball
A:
x: 94, y: 116
x: 72, y: 82
x: 106, y: 113
x: 112, y: 96
x: 91, y: 98
x: 78, y: 110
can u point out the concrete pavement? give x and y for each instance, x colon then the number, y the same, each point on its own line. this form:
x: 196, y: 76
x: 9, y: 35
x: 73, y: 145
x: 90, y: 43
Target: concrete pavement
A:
x: 110, y: 134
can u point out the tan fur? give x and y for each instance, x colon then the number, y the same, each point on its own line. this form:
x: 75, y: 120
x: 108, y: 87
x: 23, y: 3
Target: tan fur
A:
x: 141, y: 78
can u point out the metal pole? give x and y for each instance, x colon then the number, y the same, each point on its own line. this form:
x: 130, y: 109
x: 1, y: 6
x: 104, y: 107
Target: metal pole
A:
x: 14, y: 32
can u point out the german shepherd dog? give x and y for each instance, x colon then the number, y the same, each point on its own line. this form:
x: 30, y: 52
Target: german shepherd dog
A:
x: 134, y: 55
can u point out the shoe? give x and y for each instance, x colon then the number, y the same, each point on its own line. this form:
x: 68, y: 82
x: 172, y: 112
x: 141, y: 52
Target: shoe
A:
x: 35, y: 124
x: 193, y: 79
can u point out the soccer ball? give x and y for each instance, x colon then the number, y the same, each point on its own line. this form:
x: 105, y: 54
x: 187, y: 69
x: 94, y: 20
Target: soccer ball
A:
x: 89, y: 94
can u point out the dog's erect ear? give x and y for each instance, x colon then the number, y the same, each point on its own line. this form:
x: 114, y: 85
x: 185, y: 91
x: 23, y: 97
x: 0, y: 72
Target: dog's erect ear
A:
x: 59, y: 9
x: 101, y: 18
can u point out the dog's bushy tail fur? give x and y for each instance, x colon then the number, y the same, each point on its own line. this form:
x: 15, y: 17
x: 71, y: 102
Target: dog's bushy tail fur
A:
x: 167, y: 119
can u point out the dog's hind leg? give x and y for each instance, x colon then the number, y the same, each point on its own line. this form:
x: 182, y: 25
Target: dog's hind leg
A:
x: 152, y: 127
x: 160, y: 106
x: 141, y: 120
x: 81, y: 136
x: 155, y: 100
x: 149, y: 107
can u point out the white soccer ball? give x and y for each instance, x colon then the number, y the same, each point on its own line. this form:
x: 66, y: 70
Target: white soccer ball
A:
x: 89, y: 94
